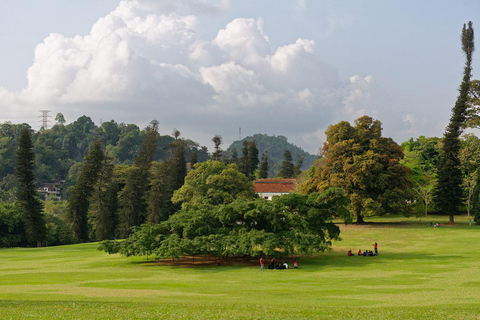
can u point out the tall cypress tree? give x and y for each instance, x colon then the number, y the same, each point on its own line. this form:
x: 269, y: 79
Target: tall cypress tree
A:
x: 263, y: 171
x: 77, y: 210
x: 286, y: 171
x: 104, y: 203
x: 31, y: 207
x: 249, y: 160
x: 449, y: 192
x: 178, y: 163
x: 133, y: 202
x: 252, y: 159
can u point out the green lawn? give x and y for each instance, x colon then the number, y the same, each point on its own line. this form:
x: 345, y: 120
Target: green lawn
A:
x: 421, y: 273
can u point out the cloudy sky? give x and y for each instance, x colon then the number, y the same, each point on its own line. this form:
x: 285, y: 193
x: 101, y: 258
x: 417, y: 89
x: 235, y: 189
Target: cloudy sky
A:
x: 209, y: 67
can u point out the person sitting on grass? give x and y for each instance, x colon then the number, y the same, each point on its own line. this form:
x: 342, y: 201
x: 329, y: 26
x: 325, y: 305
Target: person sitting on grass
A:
x: 359, y: 252
x: 284, y: 265
x: 295, y: 264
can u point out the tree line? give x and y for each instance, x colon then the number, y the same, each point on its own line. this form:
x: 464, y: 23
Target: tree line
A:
x: 174, y: 207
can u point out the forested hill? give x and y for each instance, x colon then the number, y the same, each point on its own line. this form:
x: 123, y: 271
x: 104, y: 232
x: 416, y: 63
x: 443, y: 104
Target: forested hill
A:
x: 276, y: 146
x: 60, y: 149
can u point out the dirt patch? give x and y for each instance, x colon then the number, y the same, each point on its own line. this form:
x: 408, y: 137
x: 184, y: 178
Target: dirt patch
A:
x: 208, y: 261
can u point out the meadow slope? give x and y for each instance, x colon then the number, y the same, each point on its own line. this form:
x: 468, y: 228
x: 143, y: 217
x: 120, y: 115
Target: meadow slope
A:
x: 421, y: 273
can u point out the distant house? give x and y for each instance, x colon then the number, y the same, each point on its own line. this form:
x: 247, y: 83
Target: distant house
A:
x: 267, y: 188
x: 54, y: 188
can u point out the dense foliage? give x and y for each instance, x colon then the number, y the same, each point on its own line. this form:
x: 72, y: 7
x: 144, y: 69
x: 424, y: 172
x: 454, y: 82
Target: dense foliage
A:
x: 293, y: 223
x: 367, y: 166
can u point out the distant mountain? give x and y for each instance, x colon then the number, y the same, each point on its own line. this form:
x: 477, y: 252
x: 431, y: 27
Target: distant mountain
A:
x: 275, y: 145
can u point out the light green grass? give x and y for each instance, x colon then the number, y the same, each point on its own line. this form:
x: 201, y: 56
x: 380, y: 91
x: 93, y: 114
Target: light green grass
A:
x: 421, y: 273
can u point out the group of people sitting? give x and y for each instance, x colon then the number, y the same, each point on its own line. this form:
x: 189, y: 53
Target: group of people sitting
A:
x: 283, y: 265
x: 366, y: 253
x: 434, y: 225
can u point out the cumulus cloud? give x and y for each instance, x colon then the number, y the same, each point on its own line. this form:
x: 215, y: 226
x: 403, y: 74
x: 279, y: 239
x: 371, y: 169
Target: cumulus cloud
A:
x: 144, y: 61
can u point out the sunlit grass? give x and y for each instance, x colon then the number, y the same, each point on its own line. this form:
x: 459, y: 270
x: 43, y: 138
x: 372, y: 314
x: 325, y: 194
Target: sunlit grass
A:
x: 421, y: 272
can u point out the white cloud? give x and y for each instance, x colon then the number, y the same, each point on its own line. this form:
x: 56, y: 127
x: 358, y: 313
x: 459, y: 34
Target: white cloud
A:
x: 144, y: 61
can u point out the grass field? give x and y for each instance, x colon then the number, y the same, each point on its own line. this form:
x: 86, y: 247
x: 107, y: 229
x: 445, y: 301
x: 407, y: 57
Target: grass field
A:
x: 421, y: 273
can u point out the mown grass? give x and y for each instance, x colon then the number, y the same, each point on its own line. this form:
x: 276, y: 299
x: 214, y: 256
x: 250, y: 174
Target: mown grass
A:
x: 421, y: 273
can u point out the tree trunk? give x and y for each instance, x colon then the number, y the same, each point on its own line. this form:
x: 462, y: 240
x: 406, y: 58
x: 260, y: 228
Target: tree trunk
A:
x: 450, y: 220
x: 360, y: 219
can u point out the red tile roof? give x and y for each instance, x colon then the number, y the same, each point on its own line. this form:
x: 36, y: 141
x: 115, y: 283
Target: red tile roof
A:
x: 275, y: 185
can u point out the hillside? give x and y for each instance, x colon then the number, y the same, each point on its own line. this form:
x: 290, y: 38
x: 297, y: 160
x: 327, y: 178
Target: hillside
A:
x: 275, y: 145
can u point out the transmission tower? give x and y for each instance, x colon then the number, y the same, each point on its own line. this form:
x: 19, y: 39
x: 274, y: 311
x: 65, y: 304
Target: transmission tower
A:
x: 44, y: 118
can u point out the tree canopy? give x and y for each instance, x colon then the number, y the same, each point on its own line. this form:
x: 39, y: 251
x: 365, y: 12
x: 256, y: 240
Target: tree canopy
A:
x: 367, y: 166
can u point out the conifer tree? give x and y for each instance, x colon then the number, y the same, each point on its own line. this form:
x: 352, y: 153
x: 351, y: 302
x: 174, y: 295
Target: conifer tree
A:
x: 77, y: 210
x: 178, y: 163
x: 133, y: 202
x: 31, y: 207
x: 249, y: 161
x: 263, y: 171
x: 252, y: 159
x: 104, y: 202
x: 217, y: 141
x: 449, y: 193
x: 287, y: 169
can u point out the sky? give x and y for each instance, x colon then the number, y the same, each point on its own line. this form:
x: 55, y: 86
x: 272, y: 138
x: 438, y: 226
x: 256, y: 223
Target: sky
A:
x: 208, y: 67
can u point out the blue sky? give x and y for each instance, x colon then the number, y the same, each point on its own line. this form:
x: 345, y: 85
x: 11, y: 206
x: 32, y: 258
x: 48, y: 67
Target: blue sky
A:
x: 210, y: 67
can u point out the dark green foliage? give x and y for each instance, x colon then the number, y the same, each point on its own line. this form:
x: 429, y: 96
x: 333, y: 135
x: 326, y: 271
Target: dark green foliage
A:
x: 160, y: 205
x: 79, y: 203
x: 9, y: 137
x: 289, y: 224
x: 133, y: 204
x: 249, y: 160
x: 287, y: 170
x: 475, y: 202
x: 11, y: 226
x: 104, y: 203
x: 263, y: 171
x: 178, y: 163
x: 30, y: 206
x: 449, y: 191
x: 276, y: 146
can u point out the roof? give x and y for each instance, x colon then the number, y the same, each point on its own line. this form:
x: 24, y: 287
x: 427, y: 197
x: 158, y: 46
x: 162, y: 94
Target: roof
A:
x: 275, y: 185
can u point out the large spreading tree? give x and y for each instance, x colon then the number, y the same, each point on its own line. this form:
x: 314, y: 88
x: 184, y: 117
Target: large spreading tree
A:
x: 367, y: 166
x: 30, y: 206
x: 449, y: 190
x: 221, y: 216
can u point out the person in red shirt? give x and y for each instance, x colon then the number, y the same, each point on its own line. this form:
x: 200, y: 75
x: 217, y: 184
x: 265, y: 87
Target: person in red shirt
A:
x: 375, y: 246
x: 261, y: 264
